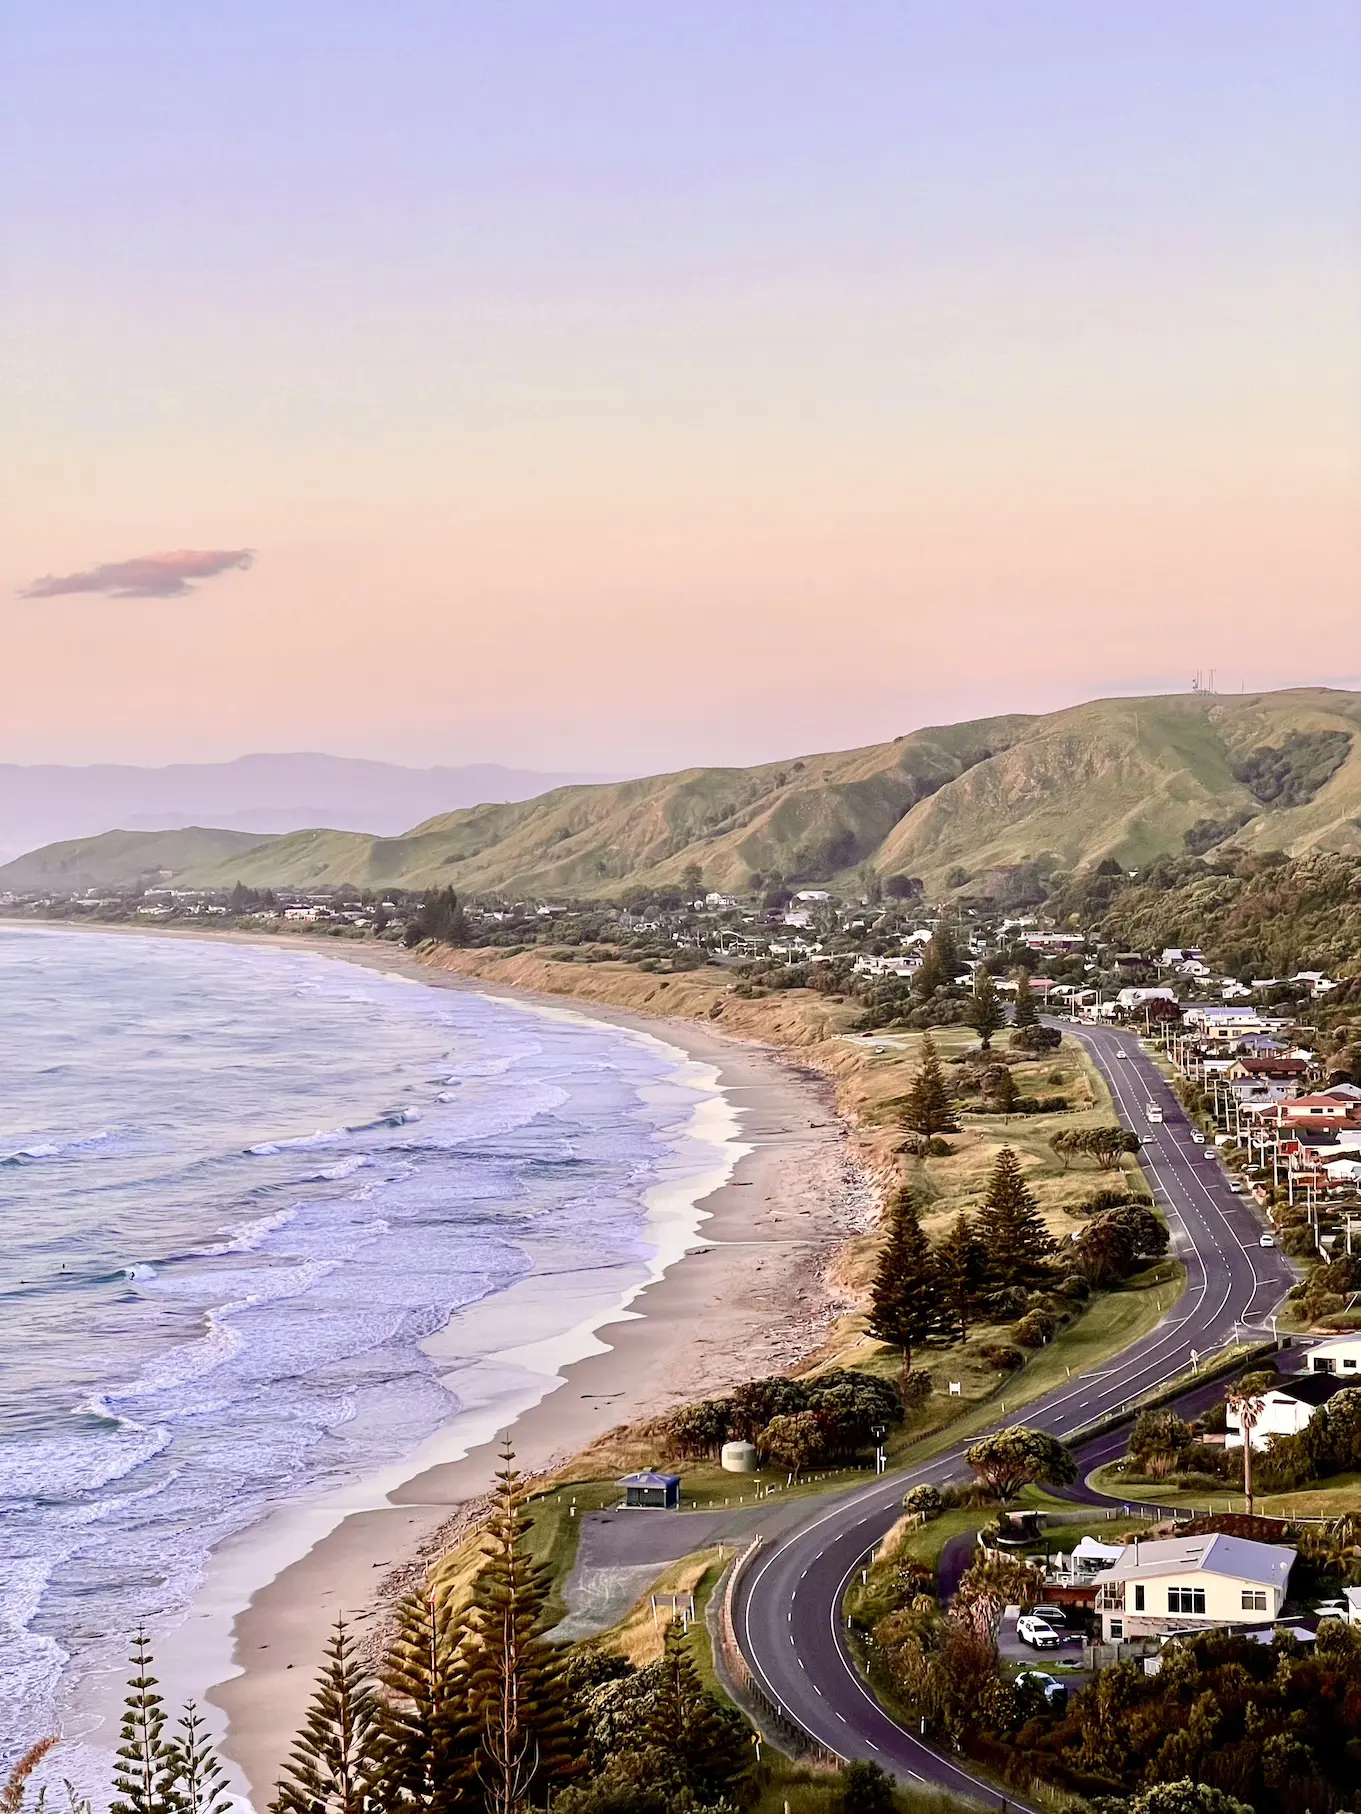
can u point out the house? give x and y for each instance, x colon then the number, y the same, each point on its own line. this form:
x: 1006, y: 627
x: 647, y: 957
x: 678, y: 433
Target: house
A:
x: 1182, y: 1584
x: 1328, y: 1106
x: 1286, y: 1409
x: 654, y: 1492
x: 1135, y: 998
x: 1341, y: 1355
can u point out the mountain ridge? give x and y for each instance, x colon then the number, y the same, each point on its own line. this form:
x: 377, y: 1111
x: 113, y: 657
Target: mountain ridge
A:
x: 1121, y: 778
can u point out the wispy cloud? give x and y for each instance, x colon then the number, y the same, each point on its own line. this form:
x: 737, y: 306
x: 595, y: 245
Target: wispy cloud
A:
x: 147, y: 576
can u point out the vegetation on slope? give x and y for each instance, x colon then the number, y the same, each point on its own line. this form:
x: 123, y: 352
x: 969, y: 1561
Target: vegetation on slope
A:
x: 1125, y: 779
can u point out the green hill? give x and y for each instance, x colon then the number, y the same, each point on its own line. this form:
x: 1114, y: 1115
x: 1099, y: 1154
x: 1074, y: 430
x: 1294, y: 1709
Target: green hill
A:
x: 1124, y: 778
x: 123, y: 859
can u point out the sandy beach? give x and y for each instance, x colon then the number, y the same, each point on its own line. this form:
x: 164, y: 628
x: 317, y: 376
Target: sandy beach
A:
x: 752, y: 1299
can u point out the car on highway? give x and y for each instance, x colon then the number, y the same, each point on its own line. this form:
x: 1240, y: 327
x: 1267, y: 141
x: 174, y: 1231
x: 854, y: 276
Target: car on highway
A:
x: 1267, y: 1241
x: 1054, y: 1691
x: 1153, y: 1112
x: 1120, y: 1052
x: 1038, y: 1632
x: 1197, y: 1136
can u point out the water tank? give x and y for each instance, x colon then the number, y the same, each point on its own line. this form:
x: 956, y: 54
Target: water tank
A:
x: 739, y: 1457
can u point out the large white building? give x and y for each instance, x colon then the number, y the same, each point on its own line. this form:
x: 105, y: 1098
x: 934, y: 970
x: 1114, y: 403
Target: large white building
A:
x: 1184, y: 1584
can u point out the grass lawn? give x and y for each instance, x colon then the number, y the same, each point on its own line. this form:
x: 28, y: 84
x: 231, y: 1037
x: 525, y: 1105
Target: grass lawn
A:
x: 1324, y: 1499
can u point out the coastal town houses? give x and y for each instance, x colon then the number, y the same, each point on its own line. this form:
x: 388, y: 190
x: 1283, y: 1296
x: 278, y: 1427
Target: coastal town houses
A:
x: 1187, y: 1584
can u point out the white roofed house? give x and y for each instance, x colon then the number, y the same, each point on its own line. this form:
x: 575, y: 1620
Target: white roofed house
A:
x: 1186, y: 1584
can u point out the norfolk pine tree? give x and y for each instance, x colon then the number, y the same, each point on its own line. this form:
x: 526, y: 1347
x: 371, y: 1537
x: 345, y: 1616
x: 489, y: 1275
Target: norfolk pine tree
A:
x: 200, y: 1781
x: 986, y: 1015
x: 144, y: 1773
x: 336, y: 1762
x: 1015, y: 1241
x: 963, y: 1262
x: 928, y: 1108
x: 906, y: 1307
x: 429, y: 1739
x: 706, y: 1740
x: 1025, y: 1014
x: 516, y: 1691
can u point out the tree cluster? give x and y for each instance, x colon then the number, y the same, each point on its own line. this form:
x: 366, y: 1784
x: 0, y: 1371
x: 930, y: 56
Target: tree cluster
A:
x: 440, y: 916
x: 796, y: 1423
x: 1276, y: 1726
x: 1330, y: 1443
x: 1106, y: 1145
x: 470, y: 1710
x: 1118, y: 1242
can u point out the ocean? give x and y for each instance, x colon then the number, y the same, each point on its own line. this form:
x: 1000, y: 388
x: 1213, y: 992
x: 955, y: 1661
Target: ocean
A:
x: 241, y: 1190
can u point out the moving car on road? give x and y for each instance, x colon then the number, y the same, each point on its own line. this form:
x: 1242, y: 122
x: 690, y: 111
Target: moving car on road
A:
x: 1119, y: 1051
x: 1153, y: 1112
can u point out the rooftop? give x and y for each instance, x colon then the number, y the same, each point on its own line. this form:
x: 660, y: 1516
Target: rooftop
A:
x: 1215, y: 1554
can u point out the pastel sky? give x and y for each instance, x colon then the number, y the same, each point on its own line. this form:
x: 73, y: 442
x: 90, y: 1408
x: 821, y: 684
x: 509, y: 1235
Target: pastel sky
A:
x: 619, y: 386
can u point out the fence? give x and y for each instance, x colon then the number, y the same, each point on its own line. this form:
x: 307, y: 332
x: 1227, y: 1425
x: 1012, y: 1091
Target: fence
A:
x: 780, y: 1726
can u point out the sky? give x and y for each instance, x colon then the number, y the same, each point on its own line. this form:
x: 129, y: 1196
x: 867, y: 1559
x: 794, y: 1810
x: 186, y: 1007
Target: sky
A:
x: 623, y: 387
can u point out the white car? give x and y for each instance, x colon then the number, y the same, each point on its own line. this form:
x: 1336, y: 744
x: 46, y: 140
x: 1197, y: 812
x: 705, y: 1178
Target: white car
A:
x: 1267, y: 1241
x: 1197, y: 1136
x: 1120, y: 1052
x: 1055, y: 1691
x: 1038, y: 1632
x: 1237, y: 1186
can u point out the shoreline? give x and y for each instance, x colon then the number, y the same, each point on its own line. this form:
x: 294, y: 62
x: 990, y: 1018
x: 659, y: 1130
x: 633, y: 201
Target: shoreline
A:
x: 744, y: 1294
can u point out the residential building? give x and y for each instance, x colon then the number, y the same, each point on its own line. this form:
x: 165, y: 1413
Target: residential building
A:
x: 1286, y: 1409
x: 1342, y: 1356
x: 1184, y: 1584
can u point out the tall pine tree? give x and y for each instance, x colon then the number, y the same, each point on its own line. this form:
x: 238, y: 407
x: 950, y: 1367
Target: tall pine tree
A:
x: 708, y: 1742
x: 963, y: 1263
x: 336, y: 1763
x: 1025, y: 1015
x: 928, y: 1108
x: 200, y: 1781
x: 515, y: 1687
x: 1015, y: 1240
x: 906, y: 1305
x: 985, y: 1012
x: 144, y: 1773
x: 429, y: 1739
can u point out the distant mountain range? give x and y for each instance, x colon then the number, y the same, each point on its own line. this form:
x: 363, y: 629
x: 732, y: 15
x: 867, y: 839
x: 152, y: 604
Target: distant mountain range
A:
x: 260, y: 794
x: 1128, y: 779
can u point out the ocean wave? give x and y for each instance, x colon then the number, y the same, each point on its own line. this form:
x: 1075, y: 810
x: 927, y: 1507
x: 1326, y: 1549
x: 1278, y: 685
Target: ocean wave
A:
x: 139, y: 1270
x: 299, y: 1142
x: 54, y: 1149
x: 344, y: 1168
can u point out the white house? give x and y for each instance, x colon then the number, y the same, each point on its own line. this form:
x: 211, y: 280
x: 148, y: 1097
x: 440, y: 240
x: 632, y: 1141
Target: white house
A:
x: 1190, y: 1584
x: 1342, y: 1355
x: 1286, y: 1409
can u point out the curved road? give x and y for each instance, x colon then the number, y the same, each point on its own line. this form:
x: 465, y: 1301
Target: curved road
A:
x: 788, y: 1605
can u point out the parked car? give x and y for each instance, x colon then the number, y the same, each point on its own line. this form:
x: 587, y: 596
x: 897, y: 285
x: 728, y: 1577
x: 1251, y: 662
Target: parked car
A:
x: 1197, y: 1136
x: 1036, y: 1631
x: 1267, y: 1241
x: 1055, y: 1692
x: 1237, y: 1186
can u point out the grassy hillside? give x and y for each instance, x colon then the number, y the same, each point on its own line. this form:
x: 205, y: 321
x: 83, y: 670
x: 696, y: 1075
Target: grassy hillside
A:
x: 1125, y: 778
x: 124, y: 859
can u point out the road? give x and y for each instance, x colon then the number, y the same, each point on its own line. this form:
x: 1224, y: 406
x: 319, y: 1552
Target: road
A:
x: 788, y: 1606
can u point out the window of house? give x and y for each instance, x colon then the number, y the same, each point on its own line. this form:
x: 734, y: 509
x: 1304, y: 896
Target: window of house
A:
x: 1254, y: 1599
x: 1186, y: 1599
x: 1139, y: 1596
x: 1117, y: 1629
x: 1347, y: 1361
